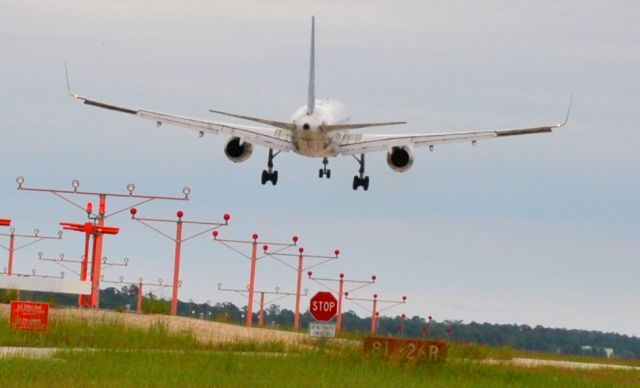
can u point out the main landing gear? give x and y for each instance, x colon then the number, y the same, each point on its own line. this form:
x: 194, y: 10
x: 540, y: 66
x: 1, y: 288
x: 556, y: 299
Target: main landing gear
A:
x: 270, y: 175
x: 324, y: 171
x: 361, y: 179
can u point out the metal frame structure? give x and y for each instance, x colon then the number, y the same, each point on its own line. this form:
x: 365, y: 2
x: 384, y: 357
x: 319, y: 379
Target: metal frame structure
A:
x: 281, y: 295
x: 62, y: 262
x: 178, y: 240
x: 375, y: 313
x: 99, y: 219
x: 253, y: 258
x: 299, y: 269
x: 341, y: 291
x: 12, y: 239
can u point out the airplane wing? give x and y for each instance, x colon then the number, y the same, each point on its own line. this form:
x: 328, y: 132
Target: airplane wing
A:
x: 352, y: 144
x: 278, y: 139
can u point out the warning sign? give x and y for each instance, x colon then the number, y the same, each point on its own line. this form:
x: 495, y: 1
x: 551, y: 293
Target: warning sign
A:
x: 29, y: 316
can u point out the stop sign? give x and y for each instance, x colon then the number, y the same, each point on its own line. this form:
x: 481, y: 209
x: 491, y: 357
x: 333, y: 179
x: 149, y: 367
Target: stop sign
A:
x: 324, y: 306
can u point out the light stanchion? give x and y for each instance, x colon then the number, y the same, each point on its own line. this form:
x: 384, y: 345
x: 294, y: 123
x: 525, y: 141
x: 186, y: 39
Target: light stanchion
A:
x: 139, y: 285
x: 278, y: 296
x: 299, y: 269
x: 253, y: 258
x: 178, y: 240
x: 34, y: 238
x: 375, y: 312
x: 98, y: 219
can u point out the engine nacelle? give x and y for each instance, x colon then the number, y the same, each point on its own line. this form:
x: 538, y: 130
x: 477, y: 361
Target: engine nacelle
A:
x: 400, y: 159
x: 238, y: 151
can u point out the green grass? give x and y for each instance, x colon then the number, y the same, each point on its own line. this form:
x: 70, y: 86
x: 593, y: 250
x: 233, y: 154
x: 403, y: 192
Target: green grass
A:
x: 140, y: 368
x: 104, y: 334
x: 122, y: 356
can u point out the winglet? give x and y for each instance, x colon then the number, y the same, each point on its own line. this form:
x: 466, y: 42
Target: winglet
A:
x: 66, y: 73
x: 311, y: 91
x: 566, y: 118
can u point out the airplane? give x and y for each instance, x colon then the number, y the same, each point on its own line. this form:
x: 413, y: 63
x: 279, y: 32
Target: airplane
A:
x: 319, y: 129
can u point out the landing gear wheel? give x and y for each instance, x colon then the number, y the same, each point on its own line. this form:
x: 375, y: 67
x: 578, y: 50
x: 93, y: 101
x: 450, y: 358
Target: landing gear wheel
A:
x: 270, y: 175
x: 324, y: 171
x: 360, y: 180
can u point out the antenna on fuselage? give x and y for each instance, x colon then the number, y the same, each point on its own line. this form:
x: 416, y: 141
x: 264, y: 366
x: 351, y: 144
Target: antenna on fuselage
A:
x: 311, y: 92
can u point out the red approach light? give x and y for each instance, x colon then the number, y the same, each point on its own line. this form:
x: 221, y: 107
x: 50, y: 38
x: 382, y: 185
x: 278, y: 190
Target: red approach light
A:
x: 227, y: 217
x: 373, y: 278
x: 346, y: 294
x: 341, y: 275
x: 255, y: 236
x: 102, y: 208
x: 301, y: 250
x: 180, y: 213
x: 5, y: 222
x: 90, y: 228
x: 449, y: 329
x: 215, y: 234
x: 265, y: 247
x: 295, y: 239
x: 89, y: 208
x: 404, y: 298
x: 375, y: 296
x: 337, y: 252
x: 403, y: 316
x: 430, y: 318
x: 133, y: 211
x: 310, y: 274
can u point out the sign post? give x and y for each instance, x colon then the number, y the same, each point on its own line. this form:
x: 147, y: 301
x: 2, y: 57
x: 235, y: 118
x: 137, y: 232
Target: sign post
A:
x: 323, y: 307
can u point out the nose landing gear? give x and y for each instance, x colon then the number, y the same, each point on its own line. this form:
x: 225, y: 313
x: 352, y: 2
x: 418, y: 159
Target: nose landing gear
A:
x: 270, y: 175
x: 361, y: 179
x: 324, y: 171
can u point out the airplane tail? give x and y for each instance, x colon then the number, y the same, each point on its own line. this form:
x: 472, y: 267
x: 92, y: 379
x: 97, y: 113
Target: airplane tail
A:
x: 311, y: 91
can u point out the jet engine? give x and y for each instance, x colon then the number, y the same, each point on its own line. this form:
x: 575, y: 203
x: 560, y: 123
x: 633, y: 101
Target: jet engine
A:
x: 400, y: 159
x: 238, y: 151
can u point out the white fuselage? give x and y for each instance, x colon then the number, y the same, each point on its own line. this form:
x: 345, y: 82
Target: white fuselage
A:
x: 308, y: 137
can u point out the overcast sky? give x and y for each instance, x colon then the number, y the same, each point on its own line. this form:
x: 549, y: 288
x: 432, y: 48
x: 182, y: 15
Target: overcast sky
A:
x: 532, y: 230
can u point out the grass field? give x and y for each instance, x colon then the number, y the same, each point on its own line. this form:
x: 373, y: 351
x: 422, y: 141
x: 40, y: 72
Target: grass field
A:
x: 111, y: 354
x: 113, y: 368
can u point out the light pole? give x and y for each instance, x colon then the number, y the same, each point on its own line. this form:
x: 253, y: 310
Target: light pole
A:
x: 375, y: 312
x: 98, y: 219
x: 253, y: 258
x: 280, y: 295
x: 299, y: 269
x: 178, y: 240
x: 341, y: 291
x: 35, y: 238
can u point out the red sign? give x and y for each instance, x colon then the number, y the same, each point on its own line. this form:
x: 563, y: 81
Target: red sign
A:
x: 324, y: 306
x: 29, y: 316
x: 410, y: 350
x: 4, y: 222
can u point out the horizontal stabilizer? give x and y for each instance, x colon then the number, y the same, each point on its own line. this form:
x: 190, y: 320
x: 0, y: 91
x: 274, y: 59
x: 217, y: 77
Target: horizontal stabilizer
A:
x: 277, y: 124
x: 346, y: 127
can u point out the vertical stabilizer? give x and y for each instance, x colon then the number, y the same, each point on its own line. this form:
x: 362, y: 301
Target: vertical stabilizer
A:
x: 311, y: 92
